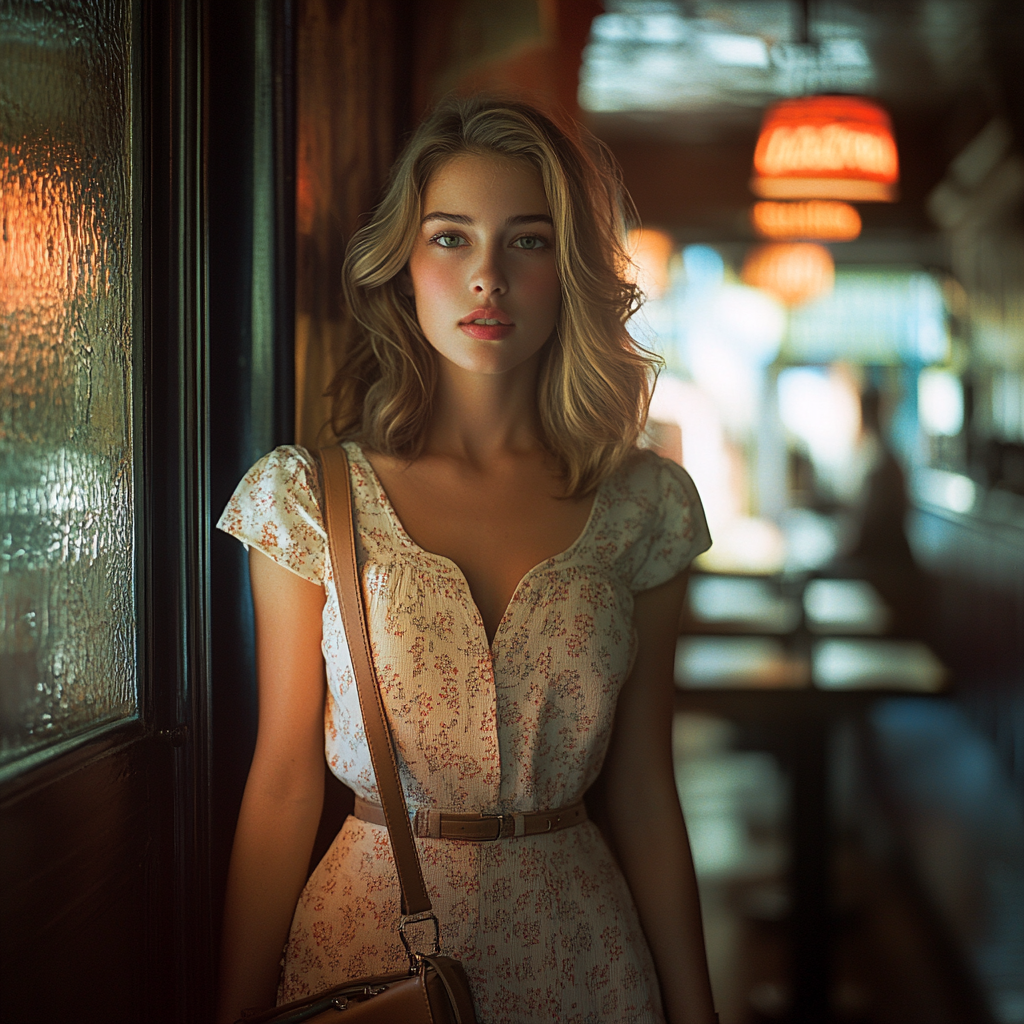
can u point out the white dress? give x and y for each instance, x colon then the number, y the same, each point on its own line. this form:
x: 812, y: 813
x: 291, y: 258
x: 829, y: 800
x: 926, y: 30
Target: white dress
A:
x: 545, y: 925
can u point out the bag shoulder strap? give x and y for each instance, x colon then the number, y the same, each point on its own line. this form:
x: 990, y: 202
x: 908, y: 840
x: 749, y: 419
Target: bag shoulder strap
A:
x: 337, y: 500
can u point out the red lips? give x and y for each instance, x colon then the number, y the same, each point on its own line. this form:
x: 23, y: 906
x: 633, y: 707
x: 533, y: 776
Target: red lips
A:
x: 487, y: 332
x: 488, y: 313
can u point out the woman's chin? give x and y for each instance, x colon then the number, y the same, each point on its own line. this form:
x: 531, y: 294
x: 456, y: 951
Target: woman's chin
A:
x: 489, y: 361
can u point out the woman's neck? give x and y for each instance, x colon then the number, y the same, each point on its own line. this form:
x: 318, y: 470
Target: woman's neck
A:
x: 479, y: 417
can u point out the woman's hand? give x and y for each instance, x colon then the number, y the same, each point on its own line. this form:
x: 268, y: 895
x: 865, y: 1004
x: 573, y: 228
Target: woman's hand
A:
x: 643, y: 813
x: 284, y: 793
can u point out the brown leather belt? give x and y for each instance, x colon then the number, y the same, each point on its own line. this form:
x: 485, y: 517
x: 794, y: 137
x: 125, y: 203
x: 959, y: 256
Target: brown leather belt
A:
x: 479, y: 828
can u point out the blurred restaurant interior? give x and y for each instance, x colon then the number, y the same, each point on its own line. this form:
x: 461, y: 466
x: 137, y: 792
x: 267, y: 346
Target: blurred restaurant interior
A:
x: 830, y: 235
x: 845, y: 386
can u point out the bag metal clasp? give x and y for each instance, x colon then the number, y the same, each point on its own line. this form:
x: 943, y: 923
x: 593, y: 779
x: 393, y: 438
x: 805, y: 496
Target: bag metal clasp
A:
x: 413, y: 950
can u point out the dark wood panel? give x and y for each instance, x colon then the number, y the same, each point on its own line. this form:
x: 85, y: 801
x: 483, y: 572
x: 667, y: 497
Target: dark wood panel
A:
x: 78, y: 856
x: 693, y: 188
x: 353, y: 94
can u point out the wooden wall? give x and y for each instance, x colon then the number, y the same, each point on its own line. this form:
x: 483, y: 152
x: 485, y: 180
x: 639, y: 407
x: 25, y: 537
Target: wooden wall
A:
x: 353, y: 100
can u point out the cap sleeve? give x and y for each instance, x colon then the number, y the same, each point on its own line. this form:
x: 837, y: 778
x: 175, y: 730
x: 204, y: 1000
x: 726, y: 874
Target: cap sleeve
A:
x: 678, y: 530
x: 276, y: 509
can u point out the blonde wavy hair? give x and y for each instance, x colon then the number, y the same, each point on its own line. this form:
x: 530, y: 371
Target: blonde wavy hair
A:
x: 594, y: 380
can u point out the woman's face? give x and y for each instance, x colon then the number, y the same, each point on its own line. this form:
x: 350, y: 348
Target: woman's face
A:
x: 482, y: 269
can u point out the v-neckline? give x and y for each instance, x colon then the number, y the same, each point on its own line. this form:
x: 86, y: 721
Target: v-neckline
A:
x: 406, y: 539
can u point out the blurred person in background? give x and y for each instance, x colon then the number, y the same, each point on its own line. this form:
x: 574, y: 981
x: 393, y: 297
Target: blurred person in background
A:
x: 878, y: 549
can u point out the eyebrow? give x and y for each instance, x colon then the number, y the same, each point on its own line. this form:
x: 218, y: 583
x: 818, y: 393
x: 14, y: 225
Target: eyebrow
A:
x: 461, y: 218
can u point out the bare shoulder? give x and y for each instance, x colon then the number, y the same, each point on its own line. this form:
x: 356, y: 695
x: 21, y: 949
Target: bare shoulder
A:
x: 382, y: 461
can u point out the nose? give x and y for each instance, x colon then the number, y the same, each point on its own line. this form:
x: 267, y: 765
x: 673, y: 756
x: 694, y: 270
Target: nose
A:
x: 488, y: 275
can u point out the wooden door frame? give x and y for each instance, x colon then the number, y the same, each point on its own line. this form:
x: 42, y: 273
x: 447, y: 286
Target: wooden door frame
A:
x: 175, y: 489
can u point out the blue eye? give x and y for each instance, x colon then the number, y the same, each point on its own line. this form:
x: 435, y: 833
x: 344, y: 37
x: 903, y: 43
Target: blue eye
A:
x: 530, y: 242
x: 446, y: 241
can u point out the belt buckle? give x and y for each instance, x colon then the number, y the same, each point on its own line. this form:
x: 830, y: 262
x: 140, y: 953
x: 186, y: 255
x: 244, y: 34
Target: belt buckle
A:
x: 506, y: 826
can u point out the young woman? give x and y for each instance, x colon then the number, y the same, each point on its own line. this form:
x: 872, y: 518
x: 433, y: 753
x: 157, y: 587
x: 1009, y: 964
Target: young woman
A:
x: 523, y: 566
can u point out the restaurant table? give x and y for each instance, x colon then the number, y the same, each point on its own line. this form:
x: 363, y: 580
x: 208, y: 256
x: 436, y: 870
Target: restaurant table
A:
x: 777, y: 674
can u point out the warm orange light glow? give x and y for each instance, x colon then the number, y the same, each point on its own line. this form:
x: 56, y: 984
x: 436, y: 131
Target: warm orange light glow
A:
x: 650, y: 251
x: 794, y: 272
x: 44, y: 255
x: 816, y: 219
x: 826, y: 147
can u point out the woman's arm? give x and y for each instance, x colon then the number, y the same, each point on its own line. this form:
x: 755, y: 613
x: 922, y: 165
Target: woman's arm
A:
x: 284, y: 792
x: 643, y: 814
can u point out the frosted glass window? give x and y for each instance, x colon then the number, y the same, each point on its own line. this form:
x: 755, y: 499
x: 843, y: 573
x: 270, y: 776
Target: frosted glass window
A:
x: 67, y: 508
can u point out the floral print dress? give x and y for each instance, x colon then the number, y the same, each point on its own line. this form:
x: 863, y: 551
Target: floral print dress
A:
x: 544, y: 925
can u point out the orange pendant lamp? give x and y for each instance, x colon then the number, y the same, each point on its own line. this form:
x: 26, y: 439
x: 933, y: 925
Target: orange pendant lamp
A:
x: 793, y: 272
x: 821, y: 220
x: 826, y: 147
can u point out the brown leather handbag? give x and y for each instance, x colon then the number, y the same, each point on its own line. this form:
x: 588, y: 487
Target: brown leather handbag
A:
x: 434, y: 990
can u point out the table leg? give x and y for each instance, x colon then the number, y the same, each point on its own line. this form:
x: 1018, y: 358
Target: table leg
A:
x: 810, y: 871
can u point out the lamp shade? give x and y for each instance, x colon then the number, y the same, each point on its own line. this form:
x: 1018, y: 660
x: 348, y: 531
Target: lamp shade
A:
x: 813, y: 219
x: 826, y: 147
x: 794, y: 272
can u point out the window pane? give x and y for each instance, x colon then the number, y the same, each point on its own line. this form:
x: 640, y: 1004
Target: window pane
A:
x: 67, y: 511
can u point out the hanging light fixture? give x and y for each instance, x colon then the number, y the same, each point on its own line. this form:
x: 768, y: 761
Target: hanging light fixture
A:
x: 794, y: 272
x: 815, y: 219
x: 826, y: 147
